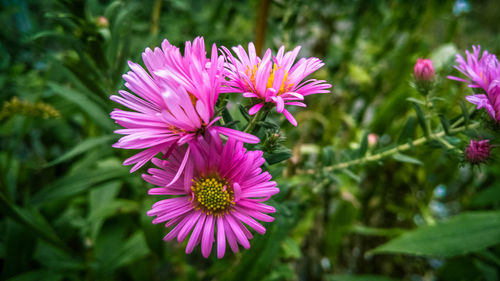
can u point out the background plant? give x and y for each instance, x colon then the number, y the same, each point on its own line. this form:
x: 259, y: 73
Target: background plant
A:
x: 70, y: 211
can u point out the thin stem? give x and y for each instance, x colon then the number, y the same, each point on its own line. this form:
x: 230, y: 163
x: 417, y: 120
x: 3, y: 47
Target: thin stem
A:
x: 155, y: 17
x: 397, y: 149
x: 253, y: 121
x: 261, y: 26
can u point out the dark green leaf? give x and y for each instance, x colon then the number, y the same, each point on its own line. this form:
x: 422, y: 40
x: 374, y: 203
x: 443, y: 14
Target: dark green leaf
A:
x: 359, y: 278
x: 82, y: 147
x: 445, y: 123
x: 408, y: 131
x: 421, y: 118
x: 278, y: 155
x: 363, y: 146
x: 94, y: 111
x: 75, y: 183
x: 462, y: 234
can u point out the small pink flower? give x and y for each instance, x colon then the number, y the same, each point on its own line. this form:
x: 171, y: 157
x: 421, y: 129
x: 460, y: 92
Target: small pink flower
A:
x: 171, y: 105
x: 221, y: 194
x: 478, y: 151
x: 423, y: 70
x: 273, y: 79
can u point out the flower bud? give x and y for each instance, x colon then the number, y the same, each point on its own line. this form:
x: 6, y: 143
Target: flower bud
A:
x: 102, y: 22
x: 424, y: 75
x: 372, y: 139
x: 477, y: 152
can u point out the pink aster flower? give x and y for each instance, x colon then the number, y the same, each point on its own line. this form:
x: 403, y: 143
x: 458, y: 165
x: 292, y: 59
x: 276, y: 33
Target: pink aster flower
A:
x: 221, y: 194
x: 478, y: 151
x: 483, y: 73
x: 273, y: 79
x: 172, y: 102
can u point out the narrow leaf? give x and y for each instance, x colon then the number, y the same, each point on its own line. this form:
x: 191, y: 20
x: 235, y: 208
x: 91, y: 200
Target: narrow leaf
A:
x: 94, y: 111
x: 462, y: 234
x: 83, y: 147
x: 407, y: 159
x: 421, y: 118
x: 408, y: 131
x: 445, y: 123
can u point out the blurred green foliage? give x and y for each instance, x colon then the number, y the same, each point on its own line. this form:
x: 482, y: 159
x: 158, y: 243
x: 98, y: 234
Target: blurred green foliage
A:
x: 71, y: 211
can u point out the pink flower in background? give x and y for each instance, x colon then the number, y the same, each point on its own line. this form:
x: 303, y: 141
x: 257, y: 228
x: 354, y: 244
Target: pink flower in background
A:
x: 171, y: 105
x: 483, y: 73
x: 423, y: 70
x: 478, y: 151
x: 275, y: 80
x: 223, y: 189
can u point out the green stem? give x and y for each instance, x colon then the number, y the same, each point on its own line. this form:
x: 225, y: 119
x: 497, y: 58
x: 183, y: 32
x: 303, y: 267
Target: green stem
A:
x: 397, y: 149
x: 253, y: 121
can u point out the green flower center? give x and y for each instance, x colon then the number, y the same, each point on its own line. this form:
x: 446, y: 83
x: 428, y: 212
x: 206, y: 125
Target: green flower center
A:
x: 213, y: 195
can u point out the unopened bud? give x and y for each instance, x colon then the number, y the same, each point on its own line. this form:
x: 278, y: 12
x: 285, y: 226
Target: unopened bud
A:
x: 372, y: 139
x: 478, y: 151
x: 424, y: 75
x: 102, y: 22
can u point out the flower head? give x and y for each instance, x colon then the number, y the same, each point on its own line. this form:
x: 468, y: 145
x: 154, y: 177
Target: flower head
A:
x: 478, y: 151
x: 483, y: 73
x: 423, y: 70
x: 223, y: 188
x: 172, y: 103
x: 273, y: 79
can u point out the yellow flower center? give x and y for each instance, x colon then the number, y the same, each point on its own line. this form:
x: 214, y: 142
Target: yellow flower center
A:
x: 284, y: 87
x: 213, y: 195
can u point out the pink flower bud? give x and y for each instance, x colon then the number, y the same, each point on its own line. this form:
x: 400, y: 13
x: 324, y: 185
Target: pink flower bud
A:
x: 423, y: 70
x: 102, y: 22
x: 372, y: 139
x: 478, y: 151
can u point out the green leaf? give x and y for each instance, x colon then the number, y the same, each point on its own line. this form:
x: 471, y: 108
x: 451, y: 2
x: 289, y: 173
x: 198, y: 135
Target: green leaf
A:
x: 359, y: 278
x: 416, y: 100
x: 38, y: 275
x: 82, y: 147
x: 327, y: 155
x: 421, y: 118
x: 487, y: 197
x: 73, y: 184
x: 133, y: 249
x: 278, y: 155
x: 407, y: 159
x: 445, y: 123
x: 462, y: 234
x: 408, y: 131
x: 244, y: 112
x: 465, y: 112
x: 33, y: 220
x: 363, y: 146
x: 94, y: 111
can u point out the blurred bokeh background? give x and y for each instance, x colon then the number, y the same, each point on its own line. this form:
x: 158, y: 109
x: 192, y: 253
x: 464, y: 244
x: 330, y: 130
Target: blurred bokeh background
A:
x: 71, y: 211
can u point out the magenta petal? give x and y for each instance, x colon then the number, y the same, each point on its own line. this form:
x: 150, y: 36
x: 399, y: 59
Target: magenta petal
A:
x: 193, y: 240
x: 221, y: 238
x: 238, y: 135
x: 181, y: 168
x: 290, y: 117
x: 254, y: 109
x: 207, y: 238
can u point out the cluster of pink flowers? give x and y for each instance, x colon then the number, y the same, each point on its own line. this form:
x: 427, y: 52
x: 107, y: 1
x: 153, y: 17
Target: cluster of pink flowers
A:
x: 483, y: 73
x: 217, y: 186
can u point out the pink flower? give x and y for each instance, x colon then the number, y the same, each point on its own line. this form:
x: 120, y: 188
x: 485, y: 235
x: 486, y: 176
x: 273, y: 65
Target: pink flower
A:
x: 483, y: 73
x: 223, y: 188
x: 478, y: 151
x: 423, y: 70
x: 275, y: 80
x: 171, y: 105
